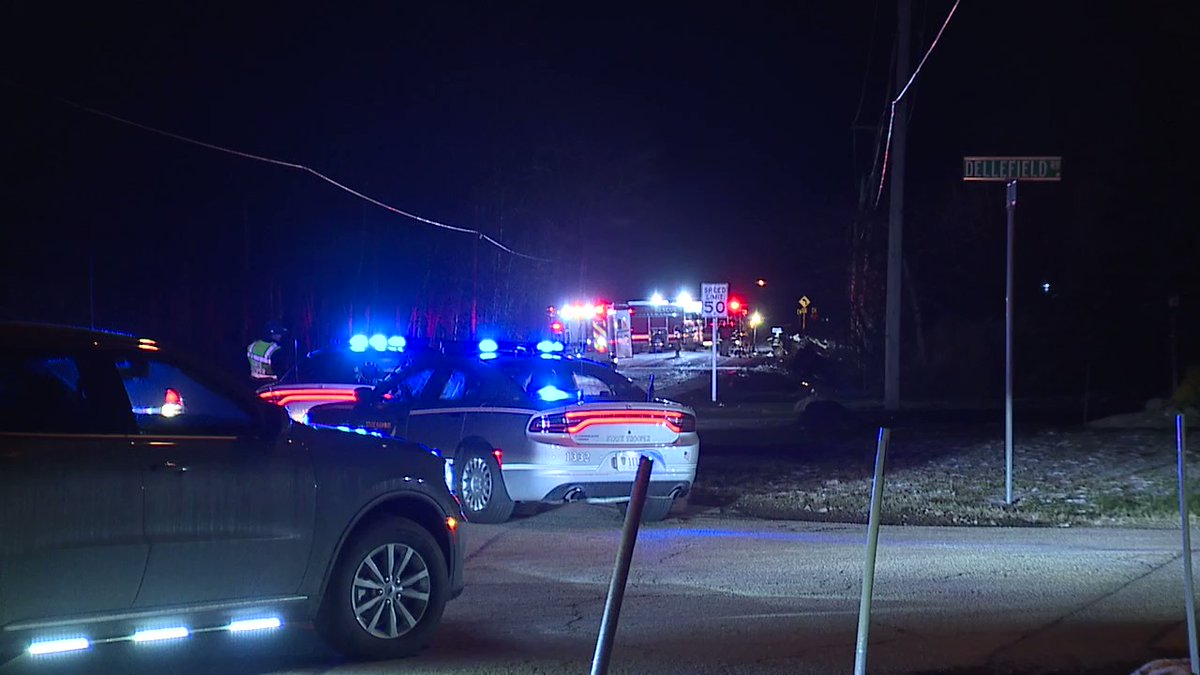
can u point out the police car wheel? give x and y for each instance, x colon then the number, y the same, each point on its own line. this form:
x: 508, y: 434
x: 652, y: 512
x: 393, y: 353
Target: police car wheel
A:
x: 480, y: 487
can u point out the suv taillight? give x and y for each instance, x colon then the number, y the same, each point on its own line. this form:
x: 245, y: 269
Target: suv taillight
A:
x: 549, y: 424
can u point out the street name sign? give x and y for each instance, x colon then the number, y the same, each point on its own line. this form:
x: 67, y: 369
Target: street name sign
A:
x: 1012, y: 168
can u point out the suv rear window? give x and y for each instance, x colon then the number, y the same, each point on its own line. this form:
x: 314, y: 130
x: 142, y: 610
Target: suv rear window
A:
x: 42, y: 393
x: 575, y: 379
x: 166, y: 400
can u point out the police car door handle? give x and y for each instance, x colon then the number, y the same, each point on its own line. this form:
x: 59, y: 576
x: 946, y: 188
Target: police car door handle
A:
x: 169, y: 466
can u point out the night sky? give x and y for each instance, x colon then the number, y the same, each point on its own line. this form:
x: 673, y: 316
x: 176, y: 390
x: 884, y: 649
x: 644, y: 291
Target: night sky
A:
x: 641, y: 147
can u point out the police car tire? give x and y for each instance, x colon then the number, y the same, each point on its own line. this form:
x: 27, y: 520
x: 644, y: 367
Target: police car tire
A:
x: 336, y: 622
x: 654, y: 510
x: 499, y: 507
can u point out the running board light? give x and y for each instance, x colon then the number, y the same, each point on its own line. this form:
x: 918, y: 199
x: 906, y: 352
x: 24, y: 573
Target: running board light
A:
x: 156, y: 634
x: 58, y: 646
x: 254, y: 624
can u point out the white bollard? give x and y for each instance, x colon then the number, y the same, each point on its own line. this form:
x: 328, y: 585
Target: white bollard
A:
x: 868, y: 587
x: 1186, y: 529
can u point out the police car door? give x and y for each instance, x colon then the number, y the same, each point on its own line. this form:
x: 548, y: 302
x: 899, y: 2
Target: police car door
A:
x: 438, y: 420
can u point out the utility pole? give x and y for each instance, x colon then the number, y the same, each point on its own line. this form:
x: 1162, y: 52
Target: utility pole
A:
x: 895, y: 259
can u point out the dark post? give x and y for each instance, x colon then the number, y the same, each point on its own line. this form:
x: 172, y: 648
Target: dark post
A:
x: 895, y: 253
x: 616, y: 589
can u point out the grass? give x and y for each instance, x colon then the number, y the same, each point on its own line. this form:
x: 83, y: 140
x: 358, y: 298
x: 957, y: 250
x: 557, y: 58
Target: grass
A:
x: 1062, y: 478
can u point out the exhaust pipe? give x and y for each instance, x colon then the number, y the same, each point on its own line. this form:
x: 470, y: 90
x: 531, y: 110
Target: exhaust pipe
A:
x: 573, y: 495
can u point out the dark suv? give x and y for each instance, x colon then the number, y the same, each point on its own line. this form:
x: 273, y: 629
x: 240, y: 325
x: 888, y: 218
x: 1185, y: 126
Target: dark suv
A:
x: 143, y: 498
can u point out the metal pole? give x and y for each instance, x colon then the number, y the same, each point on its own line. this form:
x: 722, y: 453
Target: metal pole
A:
x: 616, y: 589
x: 714, y: 369
x: 1011, y: 206
x: 868, y: 587
x: 895, y: 253
x: 1189, y: 596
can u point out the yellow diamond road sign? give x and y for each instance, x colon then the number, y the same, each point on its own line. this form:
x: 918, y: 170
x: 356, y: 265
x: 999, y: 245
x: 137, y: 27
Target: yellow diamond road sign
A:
x: 804, y: 301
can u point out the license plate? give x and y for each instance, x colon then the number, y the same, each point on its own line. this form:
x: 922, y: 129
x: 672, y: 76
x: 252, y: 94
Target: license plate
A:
x: 626, y: 461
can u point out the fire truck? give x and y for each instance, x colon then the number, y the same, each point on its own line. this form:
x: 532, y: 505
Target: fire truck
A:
x: 619, y: 330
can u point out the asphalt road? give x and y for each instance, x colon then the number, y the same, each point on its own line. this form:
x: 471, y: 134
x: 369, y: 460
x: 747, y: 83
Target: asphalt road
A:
x: 714, y: 594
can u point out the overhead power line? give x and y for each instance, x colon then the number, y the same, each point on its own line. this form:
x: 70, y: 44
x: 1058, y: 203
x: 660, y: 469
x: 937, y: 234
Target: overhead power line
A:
x: 892, y: 115
x: 301, y: 167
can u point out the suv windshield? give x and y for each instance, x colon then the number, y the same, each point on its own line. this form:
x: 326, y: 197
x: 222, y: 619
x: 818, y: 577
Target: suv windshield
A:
x: 558, y: 379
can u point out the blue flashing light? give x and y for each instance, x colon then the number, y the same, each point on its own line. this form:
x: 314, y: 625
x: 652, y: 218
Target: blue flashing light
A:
x: 545, y: 346
x: 397, y: 343
x: 379, y: 342
x: 58, y: 646
x: 358, y: 343
x: 552, y: 393
x: 244, y: 625
x: 488, y: 356
x: 558, y: 346
x: 488, y: 345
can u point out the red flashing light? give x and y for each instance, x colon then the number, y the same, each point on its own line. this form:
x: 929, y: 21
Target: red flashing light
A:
x: 735, y: 304
x: 172, y: 397
x: 557, y: 327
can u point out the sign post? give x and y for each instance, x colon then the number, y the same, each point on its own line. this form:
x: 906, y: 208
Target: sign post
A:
x: 1009, y: 170
x: 714, y: 305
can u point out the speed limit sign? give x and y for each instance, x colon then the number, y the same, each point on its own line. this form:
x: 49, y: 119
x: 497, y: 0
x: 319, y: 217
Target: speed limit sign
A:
x: 713, y: 298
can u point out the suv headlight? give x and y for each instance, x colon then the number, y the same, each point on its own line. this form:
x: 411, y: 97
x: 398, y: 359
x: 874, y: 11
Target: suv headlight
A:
x: 448, y: 470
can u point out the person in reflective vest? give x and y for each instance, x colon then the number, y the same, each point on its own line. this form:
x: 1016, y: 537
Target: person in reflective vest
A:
x: 260, y: 352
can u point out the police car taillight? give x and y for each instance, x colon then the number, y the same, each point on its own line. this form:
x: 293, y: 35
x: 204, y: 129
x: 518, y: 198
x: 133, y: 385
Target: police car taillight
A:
x: 549, y: 424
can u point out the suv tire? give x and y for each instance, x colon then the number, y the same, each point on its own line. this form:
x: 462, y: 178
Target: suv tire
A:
x: 367, y: 613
